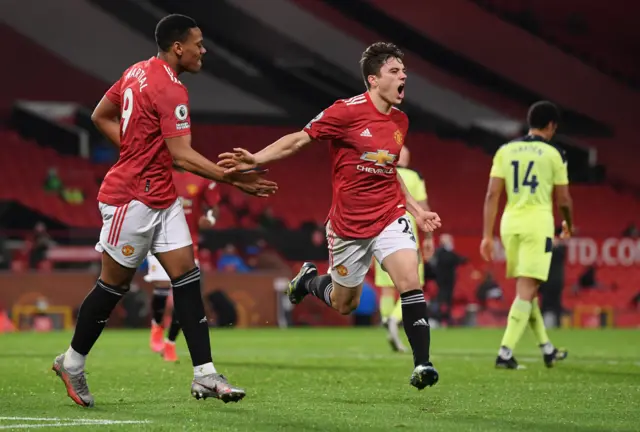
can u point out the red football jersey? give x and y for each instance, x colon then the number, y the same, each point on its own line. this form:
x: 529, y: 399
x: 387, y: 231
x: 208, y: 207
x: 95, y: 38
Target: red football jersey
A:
x: 154, y: 105
x: 365, y: 145
x: 195, y: 193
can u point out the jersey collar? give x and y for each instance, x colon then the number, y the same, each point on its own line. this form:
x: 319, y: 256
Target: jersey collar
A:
x: 373, y: 107
x: 161, y: 62
x: 530, y: 138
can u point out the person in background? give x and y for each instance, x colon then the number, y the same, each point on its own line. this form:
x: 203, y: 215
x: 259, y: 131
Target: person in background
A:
x: 53, y: 183
x: 367, y: 307
x: 40, y: 243
x: 488, y: 289
x: 231, y: 262
x: 445, y: 263
x: 551, y: 289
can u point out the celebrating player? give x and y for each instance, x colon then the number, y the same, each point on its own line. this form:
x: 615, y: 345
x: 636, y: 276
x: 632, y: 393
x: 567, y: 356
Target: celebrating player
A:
x: 140, y: 208
x: 392, y: 315
x: 195, y: 193
x: 530, y: 169
x: 367, y: 216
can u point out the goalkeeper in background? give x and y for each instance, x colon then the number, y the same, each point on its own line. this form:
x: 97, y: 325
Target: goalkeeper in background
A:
x: 390, y: 309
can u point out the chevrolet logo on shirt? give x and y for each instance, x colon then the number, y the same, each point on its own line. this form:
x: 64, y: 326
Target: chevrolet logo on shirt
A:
x: 379, y: 158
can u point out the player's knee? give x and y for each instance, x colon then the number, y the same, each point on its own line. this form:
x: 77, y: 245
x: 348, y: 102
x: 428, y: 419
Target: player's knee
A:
x: 120, y: 290
x: 347, y: 308
x: 407, y: 282
x: 527, y: 288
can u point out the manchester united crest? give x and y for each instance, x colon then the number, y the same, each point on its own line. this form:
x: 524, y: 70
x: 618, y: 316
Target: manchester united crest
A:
x: 397, y: 135
x: 342, y: 270
x: 192, y: 189
x: 128, y: 250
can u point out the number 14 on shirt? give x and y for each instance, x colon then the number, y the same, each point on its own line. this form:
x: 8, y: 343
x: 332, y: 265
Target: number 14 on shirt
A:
x: 529, y: 180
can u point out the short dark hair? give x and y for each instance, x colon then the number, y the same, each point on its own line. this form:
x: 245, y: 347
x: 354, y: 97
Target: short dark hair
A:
x: 173, y: 28
x: 541, y: 114
x: 375, y: 56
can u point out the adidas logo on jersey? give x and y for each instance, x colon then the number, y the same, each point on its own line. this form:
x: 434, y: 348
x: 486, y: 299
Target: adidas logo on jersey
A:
x: 366, y: 133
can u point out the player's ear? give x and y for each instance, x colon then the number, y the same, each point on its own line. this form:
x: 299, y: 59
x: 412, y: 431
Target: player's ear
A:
x: 177, y: 48
x: 373, y: 80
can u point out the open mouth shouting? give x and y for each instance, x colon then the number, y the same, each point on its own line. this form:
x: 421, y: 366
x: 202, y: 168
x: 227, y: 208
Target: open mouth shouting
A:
x: 401, y: 91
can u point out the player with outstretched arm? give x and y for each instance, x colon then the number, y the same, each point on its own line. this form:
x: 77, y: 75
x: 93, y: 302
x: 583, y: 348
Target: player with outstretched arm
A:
x: 368, y: 212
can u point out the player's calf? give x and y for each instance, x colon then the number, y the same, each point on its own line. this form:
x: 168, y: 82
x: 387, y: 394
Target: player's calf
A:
x: 158, y: 306
x: 159, y: 303
x: 92, y: 318
x: 402, y: 266
x: 345, y: 299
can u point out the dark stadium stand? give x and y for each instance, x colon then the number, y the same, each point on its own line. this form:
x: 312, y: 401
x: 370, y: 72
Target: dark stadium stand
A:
x: 581, y: 28
x: 456, y: 176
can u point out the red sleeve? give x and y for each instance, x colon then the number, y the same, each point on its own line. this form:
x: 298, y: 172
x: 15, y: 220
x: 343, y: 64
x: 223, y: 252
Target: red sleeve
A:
x: 211, y: 193
x: 172, y: 105
x: 329, y: 124
x: 113, y: 94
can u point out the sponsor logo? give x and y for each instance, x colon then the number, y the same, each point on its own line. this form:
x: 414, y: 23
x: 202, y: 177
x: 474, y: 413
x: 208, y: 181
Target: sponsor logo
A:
x: 128, y: 250
x: 380, y: 158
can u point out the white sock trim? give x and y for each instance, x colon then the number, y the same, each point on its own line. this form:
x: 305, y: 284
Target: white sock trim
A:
x: 202, y: 370
x: 73, y: 361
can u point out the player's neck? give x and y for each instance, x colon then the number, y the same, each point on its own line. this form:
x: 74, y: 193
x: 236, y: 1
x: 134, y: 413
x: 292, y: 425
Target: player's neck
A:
x: 547, y: 135
x: 171, y: 61
x: 381, y: 105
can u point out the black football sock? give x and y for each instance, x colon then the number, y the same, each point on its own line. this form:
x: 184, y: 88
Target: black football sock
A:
x: 189, y: 310
x: 174, y: 329
x: 159, y: 303
x: 321, y: 286
x: 416, y: 324
x: 94, y: 314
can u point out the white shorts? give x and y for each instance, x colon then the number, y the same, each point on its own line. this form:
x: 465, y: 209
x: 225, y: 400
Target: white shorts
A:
x: 131, y: 231
x: 350, y: 259
x: 156, y: 272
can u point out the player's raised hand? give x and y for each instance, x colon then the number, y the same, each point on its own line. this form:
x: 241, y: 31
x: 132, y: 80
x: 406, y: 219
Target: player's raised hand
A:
x: 428, y: 221
x: 238, y: 160
x: 252, y: 183
x: 486, y: 248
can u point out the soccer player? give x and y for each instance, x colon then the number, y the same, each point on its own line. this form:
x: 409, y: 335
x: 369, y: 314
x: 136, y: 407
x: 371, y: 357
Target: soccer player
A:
x: 140, y: 208
x: 199, y: 198
x: 368, y: 213
x: 530, y: 169
x: 390, y: 310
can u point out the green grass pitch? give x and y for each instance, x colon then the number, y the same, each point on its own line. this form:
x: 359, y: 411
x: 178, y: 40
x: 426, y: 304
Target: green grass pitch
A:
x: 330, y: 380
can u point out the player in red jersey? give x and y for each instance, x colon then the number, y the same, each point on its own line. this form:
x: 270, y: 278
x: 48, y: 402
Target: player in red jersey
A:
x: 199, y: 198
x: 140, y: 208
x: 366, y: 133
